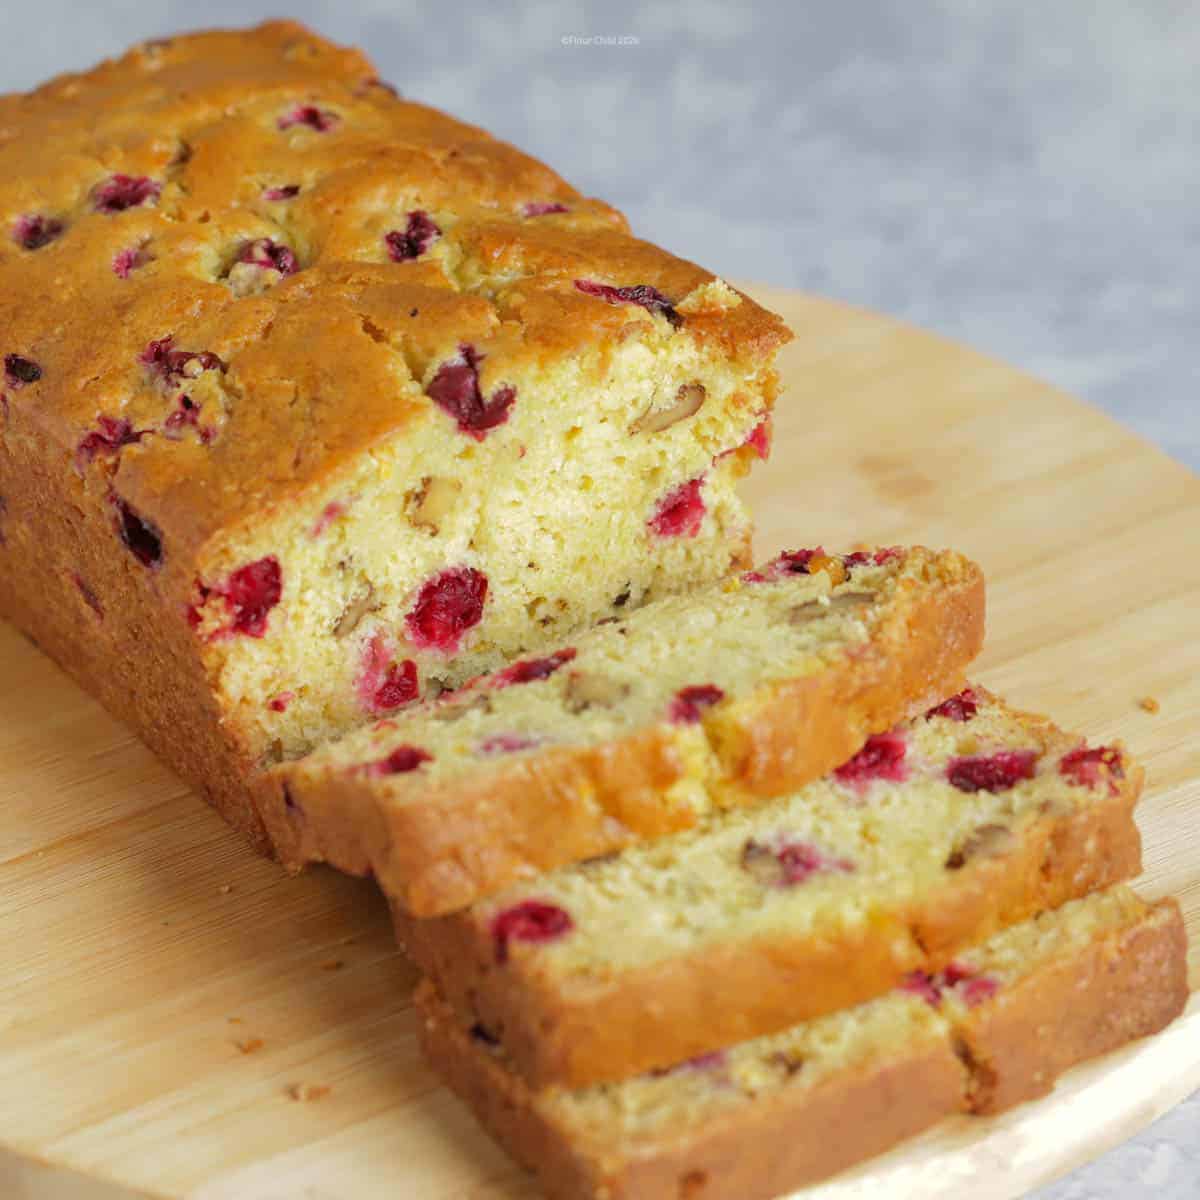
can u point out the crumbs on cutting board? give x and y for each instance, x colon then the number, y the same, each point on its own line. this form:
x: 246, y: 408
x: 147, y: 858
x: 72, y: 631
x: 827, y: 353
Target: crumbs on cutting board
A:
x: 1149, y: 704
x: 333, y: 964
x: 249, y: 1045
x: 305, y: 1092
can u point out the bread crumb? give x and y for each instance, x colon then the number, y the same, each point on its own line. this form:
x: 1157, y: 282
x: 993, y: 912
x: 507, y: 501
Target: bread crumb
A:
x: 226, y: 888
x: 333, y: 964
x: 1149, y: 704
x: 305, y: 1092
x: 249, y: 1045
x: 235, y: 1020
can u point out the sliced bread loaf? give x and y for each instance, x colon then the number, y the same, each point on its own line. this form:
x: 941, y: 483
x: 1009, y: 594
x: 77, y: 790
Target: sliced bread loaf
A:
x: 640, y: 726
x: 996, y: 1026
x: 954, y: 825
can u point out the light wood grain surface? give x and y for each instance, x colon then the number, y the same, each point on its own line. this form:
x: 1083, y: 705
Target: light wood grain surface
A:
x: 163, y: 993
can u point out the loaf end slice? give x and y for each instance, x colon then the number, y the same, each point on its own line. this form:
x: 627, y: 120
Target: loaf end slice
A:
x: 635, y: 728
x: 780, y: 1112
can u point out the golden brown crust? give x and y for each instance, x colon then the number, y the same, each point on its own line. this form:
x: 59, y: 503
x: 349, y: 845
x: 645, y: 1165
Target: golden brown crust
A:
x: 925, y: 646
x: 444, y: 847
x: 749, y: 1153
x: 1127, y: 984
x: 583, y: 1030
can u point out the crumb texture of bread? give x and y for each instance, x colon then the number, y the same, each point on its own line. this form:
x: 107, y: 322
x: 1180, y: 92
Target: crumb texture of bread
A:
x: 778, y: 1112
x: 316, y: 400
x: 635, y: 728
x: 956, y: 824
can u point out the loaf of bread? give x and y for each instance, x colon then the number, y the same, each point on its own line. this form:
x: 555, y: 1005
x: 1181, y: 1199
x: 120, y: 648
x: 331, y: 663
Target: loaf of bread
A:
x: 996, y: 1026
x: 315, y: 401
x: 635, y: 728
x: 959, y: 823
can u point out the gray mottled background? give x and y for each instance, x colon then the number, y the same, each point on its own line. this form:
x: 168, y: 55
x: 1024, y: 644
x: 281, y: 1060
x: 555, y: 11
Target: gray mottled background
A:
x: 1016, y: 174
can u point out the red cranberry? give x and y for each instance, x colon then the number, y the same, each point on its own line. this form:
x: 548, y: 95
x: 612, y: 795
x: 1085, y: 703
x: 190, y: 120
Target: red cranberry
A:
x: 788, y: 863
x: 994, y: 773
x: 795, y: 562
x: 644, y: 296
x: 529, y: 921
x: 861, y: 558
x: 320, y: 119
x: 384, y: 684
x: 506, y: 743
x: 330, y: 513
x: 447, y: 606
x: 280, y: 703
x: 1087, y: 766
x: 976, y: 991
x: 19, y: 371
x: 417, y: 236
x: 881, y: 758
x: 958, y: 708
x: 270, y: 256
x: 921, y: 984
x: 113, y: 434
x: 402, y: 760
x: 534, y: 668
x: 251, y: 593
x: 760, y: 439
x: 681, y: 511
x: 130, y: 260
x: 142, y: 537
x: 35, y: 231
x: 122, y: 192
x: 971, y: 987
x: 289, y: 191
x: 799, y: 860
x: 187, y: 415
x: 689, y: 703
x: 399, y: 687
x: 455, y: 390
x: 173, y: 365
x: 543, y: 208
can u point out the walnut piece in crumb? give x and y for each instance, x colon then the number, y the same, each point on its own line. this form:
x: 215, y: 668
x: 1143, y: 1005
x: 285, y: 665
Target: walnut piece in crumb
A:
x: 304, y: 1092
x: 249, y: 1045
x: 226, y: 888
x: 1149, y: 704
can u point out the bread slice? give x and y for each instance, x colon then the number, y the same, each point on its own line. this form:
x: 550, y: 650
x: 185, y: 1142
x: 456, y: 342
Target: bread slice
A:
x: 956, y: 824
x: 769, y: 1115
x: 635, y: 728
x: 314, y: 400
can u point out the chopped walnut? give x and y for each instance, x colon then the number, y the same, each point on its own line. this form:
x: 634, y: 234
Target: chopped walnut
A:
x: 588, y: 689
x: 354, y: 612
x: 687, y: 403
x: 430, y: 504
x: 988, y: 841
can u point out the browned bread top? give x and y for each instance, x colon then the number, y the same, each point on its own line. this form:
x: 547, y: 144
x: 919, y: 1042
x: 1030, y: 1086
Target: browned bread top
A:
x: 254, y: 216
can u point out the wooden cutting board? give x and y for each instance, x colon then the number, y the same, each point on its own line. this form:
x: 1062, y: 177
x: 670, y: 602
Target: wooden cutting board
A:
x: 164, y: 994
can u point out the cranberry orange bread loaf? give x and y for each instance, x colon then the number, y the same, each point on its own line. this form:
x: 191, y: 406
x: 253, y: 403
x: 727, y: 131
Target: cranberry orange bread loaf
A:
x: 961, y: 822
x: 995, y: 1027
x: 636, y: 727
x: 314, y: 400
